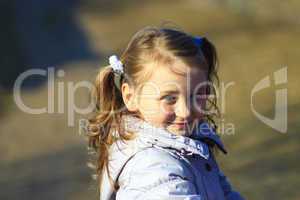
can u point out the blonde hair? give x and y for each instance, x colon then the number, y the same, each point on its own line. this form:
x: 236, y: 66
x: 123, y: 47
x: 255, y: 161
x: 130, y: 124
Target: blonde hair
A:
x: 161, y: 45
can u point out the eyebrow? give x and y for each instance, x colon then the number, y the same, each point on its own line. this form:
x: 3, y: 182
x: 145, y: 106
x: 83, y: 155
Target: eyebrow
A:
x: 169, y: 92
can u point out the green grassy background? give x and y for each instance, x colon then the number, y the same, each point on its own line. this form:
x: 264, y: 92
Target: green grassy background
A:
x: 42, y: 158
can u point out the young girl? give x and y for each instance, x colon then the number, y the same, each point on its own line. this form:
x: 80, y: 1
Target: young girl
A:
x: 154, y: 131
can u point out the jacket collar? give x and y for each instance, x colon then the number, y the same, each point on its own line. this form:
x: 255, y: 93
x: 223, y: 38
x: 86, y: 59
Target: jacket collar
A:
x: 157, y: 136
x: 194, y: 144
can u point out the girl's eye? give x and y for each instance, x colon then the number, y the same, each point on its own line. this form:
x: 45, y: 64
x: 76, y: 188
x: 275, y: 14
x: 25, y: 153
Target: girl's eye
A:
x: 169, y: 99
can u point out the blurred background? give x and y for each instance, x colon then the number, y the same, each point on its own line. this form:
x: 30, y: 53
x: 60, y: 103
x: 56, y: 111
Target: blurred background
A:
x: 42, y: 156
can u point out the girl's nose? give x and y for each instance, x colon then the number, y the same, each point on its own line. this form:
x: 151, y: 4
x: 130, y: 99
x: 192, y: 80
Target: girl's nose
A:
x: 182, y: 109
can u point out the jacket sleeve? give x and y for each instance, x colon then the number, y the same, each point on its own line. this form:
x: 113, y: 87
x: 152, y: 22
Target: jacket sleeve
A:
x: 157, y: 176
x: 229, y: 193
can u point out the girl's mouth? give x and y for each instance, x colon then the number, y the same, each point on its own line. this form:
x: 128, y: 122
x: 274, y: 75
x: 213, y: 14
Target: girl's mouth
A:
x: 180, y: 125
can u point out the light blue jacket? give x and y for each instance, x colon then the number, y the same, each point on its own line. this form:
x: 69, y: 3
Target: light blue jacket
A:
x: 163, y: 166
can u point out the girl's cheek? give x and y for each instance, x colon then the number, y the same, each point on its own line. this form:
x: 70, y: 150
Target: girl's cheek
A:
x: 168, y: 115
x: 166, y: 109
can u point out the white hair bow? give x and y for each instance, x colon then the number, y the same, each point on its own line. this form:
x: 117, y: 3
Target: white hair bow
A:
x: 116, y: 64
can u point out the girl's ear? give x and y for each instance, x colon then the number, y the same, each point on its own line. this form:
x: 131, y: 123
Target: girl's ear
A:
x: 128, y: 97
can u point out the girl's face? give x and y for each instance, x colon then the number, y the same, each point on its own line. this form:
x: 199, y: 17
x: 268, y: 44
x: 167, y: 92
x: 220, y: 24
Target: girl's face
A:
x: 174, y: 101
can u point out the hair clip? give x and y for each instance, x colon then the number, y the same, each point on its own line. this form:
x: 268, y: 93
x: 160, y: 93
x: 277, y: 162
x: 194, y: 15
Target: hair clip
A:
x: 198, y: 40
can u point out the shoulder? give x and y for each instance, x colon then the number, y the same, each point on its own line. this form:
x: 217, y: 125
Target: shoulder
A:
x: 165, y: 158
x: 155, y: 165
x: 155, y: 174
